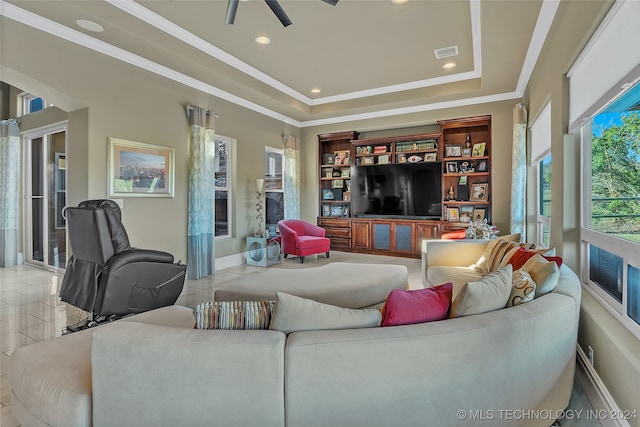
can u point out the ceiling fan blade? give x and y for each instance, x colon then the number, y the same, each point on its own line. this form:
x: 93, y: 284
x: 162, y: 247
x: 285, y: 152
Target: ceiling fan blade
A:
x: 279, y: 12
x: 331, y: 2
x: 232, y: 8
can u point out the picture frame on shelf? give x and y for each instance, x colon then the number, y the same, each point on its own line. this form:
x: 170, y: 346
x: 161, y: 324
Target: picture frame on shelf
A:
x: 431, y: 157
x: 326, y: 210
x: 327, y: 172
x: 462, y: 180
x: 337, y: 183
x: 466, y: 212
x: 453, y: 214
x: 479, y: 214
x: 327, y: 194
x: 124, y: 180
x: 345, y: 211
x: 383, y: 159
x: 483, y: 166
x: 345, y: 173
x: 344, y: 156
x: 328, y: 159
x: 346, y: 196
x: 336, y: 210
x: 479, y: 192
x: 478, y: 149
x: 452, y: 150
x: 466, y: 152
x: 465, y: 167
x: 367, y: 160
x: 452, y: 167
x: 337, y: 160
x: 337, y: 194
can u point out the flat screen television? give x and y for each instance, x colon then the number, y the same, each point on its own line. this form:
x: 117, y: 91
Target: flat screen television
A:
x: 411, y: 190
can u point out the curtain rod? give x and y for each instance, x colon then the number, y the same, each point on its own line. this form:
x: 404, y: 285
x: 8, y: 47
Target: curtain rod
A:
x: 208, y: 113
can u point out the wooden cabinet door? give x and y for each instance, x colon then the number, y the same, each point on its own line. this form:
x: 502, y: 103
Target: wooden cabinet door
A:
x: 402, y: 237
x: 361, y: 235
x: 425, y: 231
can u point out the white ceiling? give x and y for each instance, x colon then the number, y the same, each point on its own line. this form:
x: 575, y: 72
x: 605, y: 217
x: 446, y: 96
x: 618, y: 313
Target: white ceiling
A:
x: 368, y: 57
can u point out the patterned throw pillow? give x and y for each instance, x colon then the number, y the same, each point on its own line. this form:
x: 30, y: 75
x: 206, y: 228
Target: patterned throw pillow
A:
x: 233, y: 314
x: 523, y: 290
x: 497, y: 250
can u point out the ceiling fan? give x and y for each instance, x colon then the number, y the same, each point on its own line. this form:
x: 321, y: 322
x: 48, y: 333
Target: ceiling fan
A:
x: 232, y: 8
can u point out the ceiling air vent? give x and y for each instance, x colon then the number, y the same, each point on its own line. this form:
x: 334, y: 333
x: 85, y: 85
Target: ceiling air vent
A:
x: 446, y: 52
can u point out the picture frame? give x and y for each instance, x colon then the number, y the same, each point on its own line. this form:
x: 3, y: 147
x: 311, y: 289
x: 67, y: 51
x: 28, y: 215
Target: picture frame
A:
x: 336, y: 210
x: 346, y: 196
x: 466, y: 213
x: 453, y: 214
x: 452, y: 150
x: 328, y: 159
x: 345, y: 173
x: 465, y: 167
x: 337, y: 183
x: 383, y: 159
x: 431, y: 157
x: 326, y: 210
x: 483, y: 166
x: 479, y: 192
x: 138, y: 169
x: 327, y: 194
x: 466, y: 152
x: 367, y: 160
x: 479, y: 214
x: 462, y: 180
x: 344, y: 156
x: 345, y: 211
x: 478, y: 149
x: 452, y: 167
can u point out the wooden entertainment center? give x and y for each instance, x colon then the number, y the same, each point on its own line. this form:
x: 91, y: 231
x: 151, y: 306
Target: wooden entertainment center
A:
x: 462, y: 148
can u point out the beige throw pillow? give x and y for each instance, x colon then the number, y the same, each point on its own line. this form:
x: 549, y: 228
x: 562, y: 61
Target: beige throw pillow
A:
x: 293, y: 313
x: 497, y: 250
x: 523, y: 290
x: 544, y: 273
x: 490, y: 293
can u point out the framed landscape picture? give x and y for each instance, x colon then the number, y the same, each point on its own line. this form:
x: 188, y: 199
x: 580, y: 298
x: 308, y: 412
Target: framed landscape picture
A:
x: 140, y: 170
x: 453, y: 214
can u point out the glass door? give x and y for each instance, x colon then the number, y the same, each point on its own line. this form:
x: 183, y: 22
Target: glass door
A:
x: 45, y: 197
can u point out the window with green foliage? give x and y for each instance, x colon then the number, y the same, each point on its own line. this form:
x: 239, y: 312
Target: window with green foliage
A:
x: 611, y: 215
x: 544, y: 201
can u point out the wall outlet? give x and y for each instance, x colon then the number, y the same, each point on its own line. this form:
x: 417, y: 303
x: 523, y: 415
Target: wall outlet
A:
x: 590, y: 354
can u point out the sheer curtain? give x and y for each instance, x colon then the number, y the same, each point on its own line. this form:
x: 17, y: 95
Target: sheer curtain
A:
x: 9, y: 187
x: 291, y: 177
x: 201, y: 209
x: 519, y: 171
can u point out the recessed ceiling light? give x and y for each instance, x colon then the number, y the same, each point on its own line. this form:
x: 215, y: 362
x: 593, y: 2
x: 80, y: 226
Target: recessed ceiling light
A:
x: 315, y: 90
x: 449, y: 65
x: 399, y: 1
x: 262, y: 40
x: 89, y: 25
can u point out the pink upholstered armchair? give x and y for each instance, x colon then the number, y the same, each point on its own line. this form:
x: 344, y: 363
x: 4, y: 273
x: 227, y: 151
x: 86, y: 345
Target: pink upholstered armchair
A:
x: 302, y: 238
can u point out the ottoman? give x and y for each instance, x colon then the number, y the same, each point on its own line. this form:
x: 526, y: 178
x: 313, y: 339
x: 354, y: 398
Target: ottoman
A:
x: 51, y: 380
x: 347, y: 285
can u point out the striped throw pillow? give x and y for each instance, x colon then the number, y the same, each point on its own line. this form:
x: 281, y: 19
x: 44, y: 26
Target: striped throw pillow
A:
x: 233, y: 314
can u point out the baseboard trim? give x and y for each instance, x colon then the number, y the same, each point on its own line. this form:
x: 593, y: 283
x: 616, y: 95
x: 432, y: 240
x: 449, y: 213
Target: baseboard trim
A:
x: 230, y: 261
x: 597, y: 392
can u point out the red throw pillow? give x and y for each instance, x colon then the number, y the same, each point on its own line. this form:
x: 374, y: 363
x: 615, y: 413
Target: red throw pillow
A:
x: 522, y: 256
x: 417, y: 306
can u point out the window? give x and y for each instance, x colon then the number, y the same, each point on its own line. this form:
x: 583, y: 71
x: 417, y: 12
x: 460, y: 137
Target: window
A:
x: 274, y: 188
x: 540, y: 155
x: 611, y: 214
x: 32, y: 103
x: 544, y: 202
x: 223, y: 177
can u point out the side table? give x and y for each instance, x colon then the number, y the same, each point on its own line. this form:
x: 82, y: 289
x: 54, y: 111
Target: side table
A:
x: 262, y: 251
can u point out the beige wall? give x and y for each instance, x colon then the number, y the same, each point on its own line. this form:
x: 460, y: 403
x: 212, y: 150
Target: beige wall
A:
x: 125, y: 102
x: 616, y: 350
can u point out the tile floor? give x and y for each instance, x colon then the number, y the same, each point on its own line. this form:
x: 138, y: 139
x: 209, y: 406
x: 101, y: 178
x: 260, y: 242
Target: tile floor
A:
x: 31, y: 311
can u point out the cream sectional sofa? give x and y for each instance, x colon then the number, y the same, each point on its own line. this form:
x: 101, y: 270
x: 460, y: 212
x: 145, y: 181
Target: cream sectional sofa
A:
x: 503, y: 368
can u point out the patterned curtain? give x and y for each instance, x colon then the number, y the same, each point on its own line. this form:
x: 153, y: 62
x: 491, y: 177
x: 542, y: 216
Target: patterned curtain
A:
x: 519, y: 172
x: 291, y: 177
x: 9, y: 187
x: 201, y: 227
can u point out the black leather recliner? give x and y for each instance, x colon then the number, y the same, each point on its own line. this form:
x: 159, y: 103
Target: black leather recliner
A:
x: 106, y: 276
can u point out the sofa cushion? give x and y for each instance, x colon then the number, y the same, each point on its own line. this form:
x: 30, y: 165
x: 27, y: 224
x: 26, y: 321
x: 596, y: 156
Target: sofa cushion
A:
x: 293, y: 313
x: 233, y: 314
x: 459, y: 276
x: 523, y: 290
x: 489, y: 293
x: 417, y: 306
x: 522, y: 255
x: 545, y: 273
x: 306, y: 242
x: 496, y: 250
